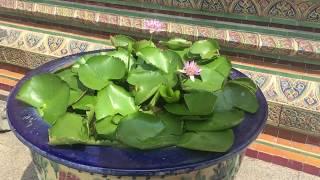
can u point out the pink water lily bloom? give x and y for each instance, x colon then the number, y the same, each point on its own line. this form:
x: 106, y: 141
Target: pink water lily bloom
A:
x: 153, y: 25
x: 191, y: 69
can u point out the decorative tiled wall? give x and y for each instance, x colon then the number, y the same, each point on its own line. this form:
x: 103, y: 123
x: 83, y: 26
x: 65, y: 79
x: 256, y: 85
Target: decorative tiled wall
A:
x: 283, y: 46
x: 43, y: 43
x: 294, y: 103
x: 304, y: 10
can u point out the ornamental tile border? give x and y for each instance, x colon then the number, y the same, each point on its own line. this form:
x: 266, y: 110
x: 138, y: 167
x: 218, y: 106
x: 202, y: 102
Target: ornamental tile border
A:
x: 46, y: 44
x: 294, y: 92
x: 305, y: 10
x: 288, y: 91
x: 271, y: 44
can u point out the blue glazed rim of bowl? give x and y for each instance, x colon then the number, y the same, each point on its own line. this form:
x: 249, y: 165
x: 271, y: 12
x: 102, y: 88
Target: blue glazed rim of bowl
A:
x: 32, y: 132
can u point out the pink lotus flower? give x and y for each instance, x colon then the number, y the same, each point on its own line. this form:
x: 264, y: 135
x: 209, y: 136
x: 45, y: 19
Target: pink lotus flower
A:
x: 190, y: 69
x: 154, y: 25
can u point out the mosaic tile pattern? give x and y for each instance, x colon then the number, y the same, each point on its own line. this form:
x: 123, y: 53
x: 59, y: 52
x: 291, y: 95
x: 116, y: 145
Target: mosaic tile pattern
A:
x: 240, y: 40
x: 284, y: 90
x: 42, y: 43
x: 290, y: 9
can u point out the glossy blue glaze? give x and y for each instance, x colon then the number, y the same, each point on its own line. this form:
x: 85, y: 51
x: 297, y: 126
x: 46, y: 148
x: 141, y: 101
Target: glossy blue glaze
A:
x: 33, y: 132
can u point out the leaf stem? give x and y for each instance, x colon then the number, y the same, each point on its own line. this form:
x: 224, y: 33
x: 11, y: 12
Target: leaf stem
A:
x: 154, y: 100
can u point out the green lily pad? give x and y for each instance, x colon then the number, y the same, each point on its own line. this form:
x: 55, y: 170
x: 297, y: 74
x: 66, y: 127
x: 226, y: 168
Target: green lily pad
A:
x: 183, y: 54
x: 222, y: 104
x: 48, y: 93
x: 70, y: 78
x: 169, y: 95
x: 199, y: 85
x: 169, y: 136
x: 220, y: 141
x: 241, y: 97
x: 75, y: 95
x: 247, y: 83
x: 136, y: 128
x: 212, y: 78
x: 221, y: 65
x: 85, y: 102
x: 143, y: 44
x: 105, y: 128
x: 112, y: 100
x: 155, y: 57
x: 176, y: 43
x: 123, y: 55
x: 207, y: 49
x: 195, y: 102
x: 217, y: 122
x: 147, y: 83
x: 116, y: 119
x: 98, y: 70
x: 122, y: 41
x: 69, y: 129
x: 178, y: 109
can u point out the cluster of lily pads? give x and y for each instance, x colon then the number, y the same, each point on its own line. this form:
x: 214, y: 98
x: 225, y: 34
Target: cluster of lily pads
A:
x: 144, y: 95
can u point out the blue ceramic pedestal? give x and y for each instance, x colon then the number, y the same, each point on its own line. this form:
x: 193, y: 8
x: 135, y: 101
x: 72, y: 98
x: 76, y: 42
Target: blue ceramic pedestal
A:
x: 97, y: 162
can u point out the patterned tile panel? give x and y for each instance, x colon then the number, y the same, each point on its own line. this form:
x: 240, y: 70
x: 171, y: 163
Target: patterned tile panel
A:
x: 46, y: 44
x: 306, y: 10
x: 294, y: 92
x: 289, y: 46
x: 289, y: 91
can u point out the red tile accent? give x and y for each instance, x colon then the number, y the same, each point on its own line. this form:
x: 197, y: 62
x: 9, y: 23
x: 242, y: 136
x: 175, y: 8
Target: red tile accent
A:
x: 313, y: 140
x: 271, y: 130
x: 252, y: 153
x: 311, y: 170
x: 13, y: 68
x: 280, y: 161
x: 265, y: 157
x: 5, y: 87
x: 298, y: 137
x: 285, y: 134
x: 295, y: 165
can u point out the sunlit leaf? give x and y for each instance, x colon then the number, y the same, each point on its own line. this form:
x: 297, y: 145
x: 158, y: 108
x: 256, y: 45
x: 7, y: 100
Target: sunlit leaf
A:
x: 147, y: 84
x: 123, y: 55
x: 98, y: 70
x: 105, y: 128
x: 155, y: 57
x: 75, y: 95
x: 48, y: 93
x: 68, y: 129
x: 176, y: 43
x: 112, y: 100
x: 221, y: 65
x: 121, y: 41
x: 85, y: 102
x: 143, y: 44
x: 205, y: 48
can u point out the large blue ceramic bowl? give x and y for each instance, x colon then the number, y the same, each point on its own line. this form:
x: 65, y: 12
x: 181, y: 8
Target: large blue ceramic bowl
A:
x: 117, y: 162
